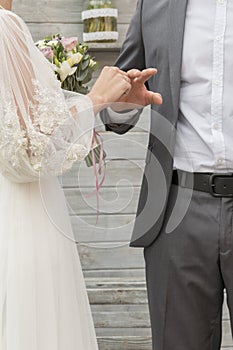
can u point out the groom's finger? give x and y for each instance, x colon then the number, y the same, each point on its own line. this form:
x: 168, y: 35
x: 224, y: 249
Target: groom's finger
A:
x: 134, y: 73
x: 146, y: 74
x: 154, y: 98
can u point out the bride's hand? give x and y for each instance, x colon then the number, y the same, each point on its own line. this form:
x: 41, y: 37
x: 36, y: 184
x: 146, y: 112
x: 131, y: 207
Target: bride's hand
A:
x: 111, y: 85
x: 6, y: 4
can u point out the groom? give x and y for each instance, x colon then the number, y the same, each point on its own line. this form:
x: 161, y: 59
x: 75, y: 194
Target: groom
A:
x: 185, y: 213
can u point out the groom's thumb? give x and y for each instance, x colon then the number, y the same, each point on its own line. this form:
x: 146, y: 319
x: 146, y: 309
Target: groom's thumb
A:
x: 155, y: 98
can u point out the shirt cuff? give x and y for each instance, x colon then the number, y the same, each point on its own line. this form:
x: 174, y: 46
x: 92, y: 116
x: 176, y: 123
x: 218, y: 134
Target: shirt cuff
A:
x: 121, y: 117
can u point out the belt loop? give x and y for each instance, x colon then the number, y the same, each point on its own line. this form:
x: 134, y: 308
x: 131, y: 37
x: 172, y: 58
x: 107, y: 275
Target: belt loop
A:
x: 183, y: 179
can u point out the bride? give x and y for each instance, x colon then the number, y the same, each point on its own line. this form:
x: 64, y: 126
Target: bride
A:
x: 43, y: 300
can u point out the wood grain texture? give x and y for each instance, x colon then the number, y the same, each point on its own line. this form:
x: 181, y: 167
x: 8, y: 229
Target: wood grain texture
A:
x: 99, y: 256
x: 68, y: 11
x: 56, y: 16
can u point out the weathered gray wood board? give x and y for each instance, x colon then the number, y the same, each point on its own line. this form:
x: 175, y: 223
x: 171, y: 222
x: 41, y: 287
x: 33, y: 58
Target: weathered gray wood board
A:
x: 125, y: 317
x: 57, y: 16
x: 114, y: 272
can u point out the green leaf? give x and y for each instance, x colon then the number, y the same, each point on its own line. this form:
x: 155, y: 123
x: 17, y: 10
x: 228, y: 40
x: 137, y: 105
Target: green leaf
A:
x: 48, y: 38
x: 86, y: 57
x: 85, y: 64
x: 81, y: 76
x: 88, y: 78
x: 82, y: 90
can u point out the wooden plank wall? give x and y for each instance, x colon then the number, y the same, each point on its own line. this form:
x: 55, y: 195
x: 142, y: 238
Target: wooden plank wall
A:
x: 56, y: 16
x: 114, y: 272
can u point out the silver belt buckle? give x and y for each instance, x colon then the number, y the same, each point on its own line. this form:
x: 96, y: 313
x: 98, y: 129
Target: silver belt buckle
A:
x: 212, y: 184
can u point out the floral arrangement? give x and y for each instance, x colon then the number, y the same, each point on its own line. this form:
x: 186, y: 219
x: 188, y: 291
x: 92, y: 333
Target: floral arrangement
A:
x: 74, y: 68
x: 71, y: 62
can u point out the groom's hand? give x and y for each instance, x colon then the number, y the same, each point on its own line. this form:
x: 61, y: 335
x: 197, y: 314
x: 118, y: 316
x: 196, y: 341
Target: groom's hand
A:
x: 139, y: 95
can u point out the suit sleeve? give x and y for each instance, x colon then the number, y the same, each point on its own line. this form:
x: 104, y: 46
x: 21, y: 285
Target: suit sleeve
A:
x: 132, y: 55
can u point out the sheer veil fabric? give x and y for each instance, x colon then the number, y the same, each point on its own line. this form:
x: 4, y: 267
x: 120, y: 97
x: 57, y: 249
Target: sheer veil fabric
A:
x: 43, y: 299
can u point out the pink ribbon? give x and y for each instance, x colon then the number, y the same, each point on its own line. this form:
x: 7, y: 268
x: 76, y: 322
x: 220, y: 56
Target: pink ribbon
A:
x: 98, y: 170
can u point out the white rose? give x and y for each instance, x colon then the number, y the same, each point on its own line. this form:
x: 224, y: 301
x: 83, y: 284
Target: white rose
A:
x: 40, y: 43
x: 53, y: 42
x: 75, y: 59
x: 64, y: 70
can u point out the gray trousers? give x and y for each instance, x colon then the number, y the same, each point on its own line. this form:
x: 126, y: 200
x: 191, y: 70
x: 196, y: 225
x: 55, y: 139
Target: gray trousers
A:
x: 187, y: 271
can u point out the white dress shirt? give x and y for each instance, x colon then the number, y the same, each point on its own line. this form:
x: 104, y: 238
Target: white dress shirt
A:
x: 205, y: 125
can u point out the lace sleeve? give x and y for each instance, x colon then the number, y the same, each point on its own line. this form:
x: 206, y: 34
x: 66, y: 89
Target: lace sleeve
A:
x: 59, y: 135
x: 43, y: 131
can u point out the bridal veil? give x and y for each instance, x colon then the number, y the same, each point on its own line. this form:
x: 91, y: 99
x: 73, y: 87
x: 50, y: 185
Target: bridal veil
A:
x: 43, y: 299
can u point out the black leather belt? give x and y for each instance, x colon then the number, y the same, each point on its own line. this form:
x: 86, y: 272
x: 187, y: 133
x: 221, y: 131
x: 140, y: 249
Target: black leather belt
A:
x: 217, y: 184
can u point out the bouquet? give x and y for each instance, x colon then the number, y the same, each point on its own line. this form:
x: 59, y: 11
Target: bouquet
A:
x: 71, y: 62
x: 74, y: 68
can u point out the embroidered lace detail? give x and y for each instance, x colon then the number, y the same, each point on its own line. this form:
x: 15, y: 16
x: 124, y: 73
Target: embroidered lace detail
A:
x: 44, y: 145
x: 13, y: 140
x: 76, y: 153
x: 49, y: 110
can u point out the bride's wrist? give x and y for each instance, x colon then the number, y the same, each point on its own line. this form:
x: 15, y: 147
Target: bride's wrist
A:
x: 98, y: 102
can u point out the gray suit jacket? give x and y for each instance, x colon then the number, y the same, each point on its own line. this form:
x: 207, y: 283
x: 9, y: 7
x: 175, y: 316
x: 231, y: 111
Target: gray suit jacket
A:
x: 155, y: 39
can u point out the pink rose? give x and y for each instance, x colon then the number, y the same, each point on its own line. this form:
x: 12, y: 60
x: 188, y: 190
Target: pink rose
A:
x: 69, y: 43
x: 47, y: 52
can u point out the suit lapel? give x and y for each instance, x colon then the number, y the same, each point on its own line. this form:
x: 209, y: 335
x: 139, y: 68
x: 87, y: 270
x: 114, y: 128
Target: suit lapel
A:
x: 177, y: 12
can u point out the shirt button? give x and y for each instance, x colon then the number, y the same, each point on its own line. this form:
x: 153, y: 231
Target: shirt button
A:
x: 220, y: 161
x: 221, y: 1
x: 217, y: 82
x: 216, y: 126
x: 218, y: 38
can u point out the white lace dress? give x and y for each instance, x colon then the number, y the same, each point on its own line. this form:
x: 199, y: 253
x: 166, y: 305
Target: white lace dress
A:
x: 43, y: 131
x: 43, y: 299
